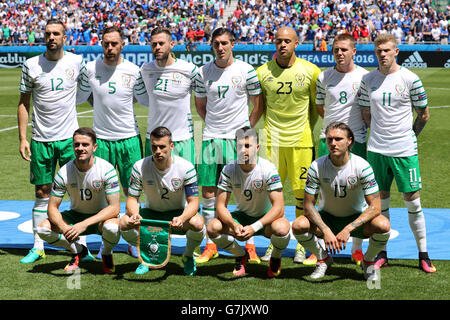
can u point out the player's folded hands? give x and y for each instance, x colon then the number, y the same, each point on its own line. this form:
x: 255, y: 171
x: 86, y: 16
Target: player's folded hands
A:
x: 134, y: 221
x: 177, y: 223
x: 343, y: 237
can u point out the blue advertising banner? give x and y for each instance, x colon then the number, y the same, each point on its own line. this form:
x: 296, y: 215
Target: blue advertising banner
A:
x: 13, y: 57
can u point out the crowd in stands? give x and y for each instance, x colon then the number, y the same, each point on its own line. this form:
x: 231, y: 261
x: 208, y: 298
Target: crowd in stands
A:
x: 253, y: 21
x: 23, y: 21
x: 318, y: 21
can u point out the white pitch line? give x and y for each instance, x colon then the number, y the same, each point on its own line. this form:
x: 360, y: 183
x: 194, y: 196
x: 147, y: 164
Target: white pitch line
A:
x: 29, y: 124
x: 11, y: 128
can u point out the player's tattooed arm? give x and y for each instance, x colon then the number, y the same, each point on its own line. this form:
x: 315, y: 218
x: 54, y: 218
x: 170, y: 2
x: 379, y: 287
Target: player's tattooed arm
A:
x: 331, y: 241
x: 311, y: 212
x: 423, y: 115
x: 373, y: 210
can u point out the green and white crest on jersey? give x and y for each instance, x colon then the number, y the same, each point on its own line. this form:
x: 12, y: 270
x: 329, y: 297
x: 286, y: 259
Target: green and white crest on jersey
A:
x: 97, y: 185
x: 352, y: 180
x: 177, y: 183
x: 236, y: 80
x: 126, y: 80
x: 70, y: 73
x: 177, y: 76
x: 176, y: 79
x: 258, y: 185
x: 355, y: 87
x: 399, y: 88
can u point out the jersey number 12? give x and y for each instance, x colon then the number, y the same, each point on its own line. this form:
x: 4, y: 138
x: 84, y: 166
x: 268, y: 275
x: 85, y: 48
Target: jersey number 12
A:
x: 57, y: 86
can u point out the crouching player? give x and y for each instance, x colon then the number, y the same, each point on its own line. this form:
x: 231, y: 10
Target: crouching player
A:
x: 349, y: 205
x: 93, y: 187
x: 170, y: 185
x: 257, y: 189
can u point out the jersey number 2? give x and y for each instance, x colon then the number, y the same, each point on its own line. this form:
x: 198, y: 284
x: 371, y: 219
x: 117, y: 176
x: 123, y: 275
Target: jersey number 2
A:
x: 164, y: 194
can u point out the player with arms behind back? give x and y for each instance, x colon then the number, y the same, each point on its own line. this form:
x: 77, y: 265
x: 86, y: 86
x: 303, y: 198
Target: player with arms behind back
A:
x: 337, y: 88
x: 289, y: 90
x: 114, y: 83
x: 229, y: 86
x: 388, y: 96
x: 169, y: 82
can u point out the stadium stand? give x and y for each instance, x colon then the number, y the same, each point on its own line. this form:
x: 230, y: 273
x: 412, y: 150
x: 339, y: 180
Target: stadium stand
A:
x: 253, y: 21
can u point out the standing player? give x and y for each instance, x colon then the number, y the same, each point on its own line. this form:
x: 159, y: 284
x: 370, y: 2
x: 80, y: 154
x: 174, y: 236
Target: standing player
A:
x: 229, y: 85
x: 387, y: 97
x: 114, y: 82
x: 169, y: 82
x: 93, y: 187
x: 335, y: 98
x: 170, y: 185
x: 257, y: 188
x: 349, y: 204
x: 289, y: 90
x: 50, y: 81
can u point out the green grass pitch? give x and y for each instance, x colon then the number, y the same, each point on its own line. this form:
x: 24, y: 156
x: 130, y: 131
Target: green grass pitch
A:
x: 46, y: 280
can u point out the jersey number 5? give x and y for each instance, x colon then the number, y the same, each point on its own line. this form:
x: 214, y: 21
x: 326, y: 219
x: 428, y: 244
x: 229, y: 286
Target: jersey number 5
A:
x: 112, y: 88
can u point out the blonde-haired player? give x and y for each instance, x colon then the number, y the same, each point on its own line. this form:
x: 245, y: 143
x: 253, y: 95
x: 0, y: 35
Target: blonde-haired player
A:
x: 388, y: 96
x: 289, y: 90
